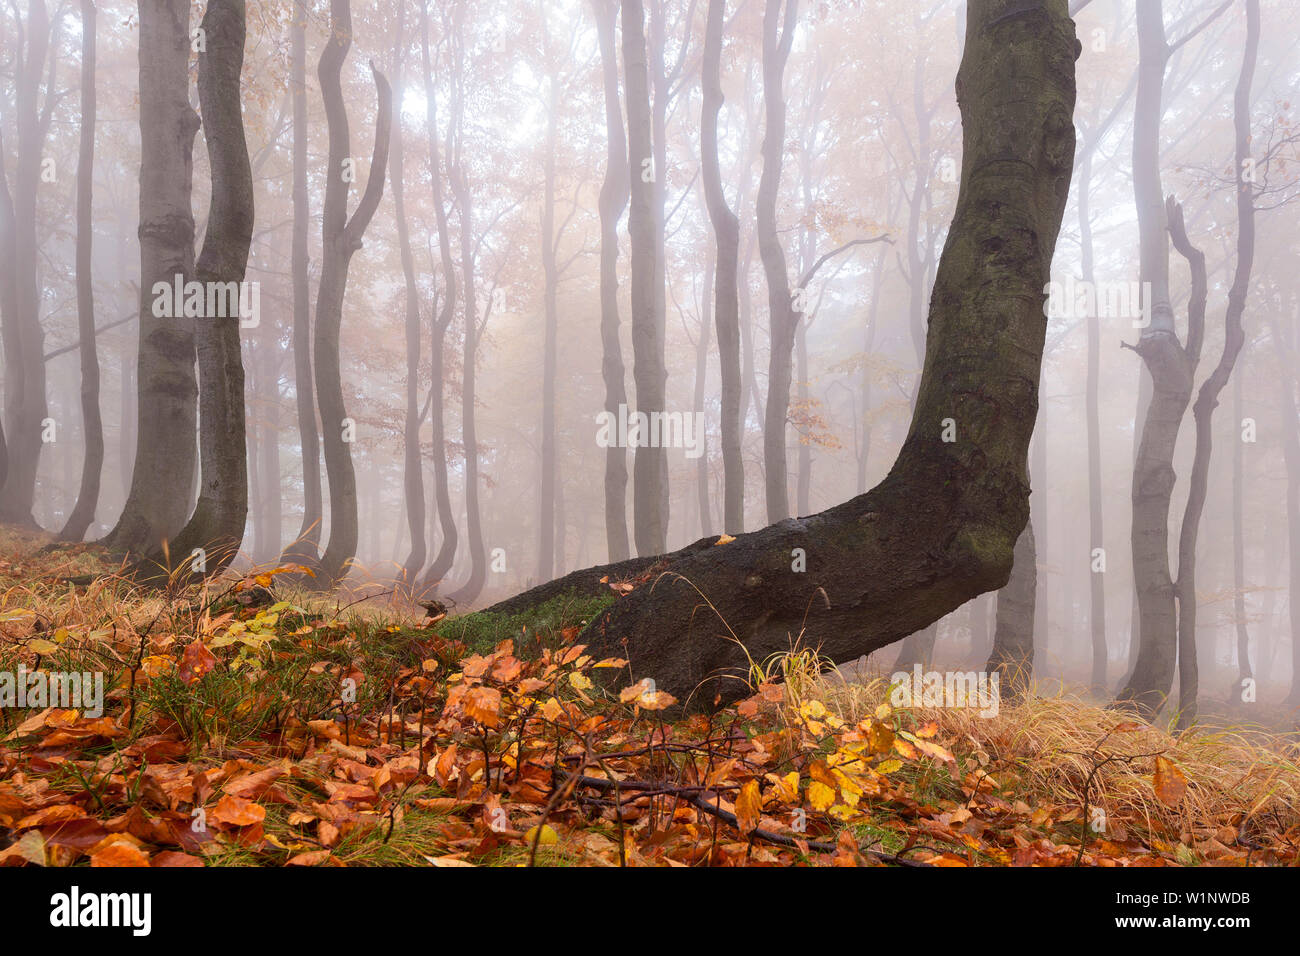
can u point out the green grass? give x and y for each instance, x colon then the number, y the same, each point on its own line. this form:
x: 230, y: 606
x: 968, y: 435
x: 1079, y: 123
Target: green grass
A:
x: 532, y: 629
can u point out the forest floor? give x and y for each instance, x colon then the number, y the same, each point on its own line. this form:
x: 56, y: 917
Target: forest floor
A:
x: 248, y: 724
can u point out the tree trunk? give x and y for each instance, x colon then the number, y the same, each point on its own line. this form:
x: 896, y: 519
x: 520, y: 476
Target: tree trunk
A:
x: 551, y: 332
x: 341, y: 237
x: 166, y: 454
x: 1171, y: 366
x: 1097, y: 588
x: 471, y: 589
x: 942, y: 526
x: 613, y: 200
x: 440, y: 324
x: 25, y: 402
x: 701, y: 380
x: 92, y: 423
x: 1207, y: 398
x: 1238, y: 542
x: 217, y: 525
x: 726, y: 230
x: 1012, y: 657
x: 778, y: 36
x: 413, y: 473
x: 650, y: 519
x: 306, y: 547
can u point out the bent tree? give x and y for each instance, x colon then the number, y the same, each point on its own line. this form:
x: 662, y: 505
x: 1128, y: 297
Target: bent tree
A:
x: 217, y: 525
x: 942, y: 526
x: 341, y: 237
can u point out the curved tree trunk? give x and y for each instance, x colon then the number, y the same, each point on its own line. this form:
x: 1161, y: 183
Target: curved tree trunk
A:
x: 1171, y: 365
x: 1207, y: 398
x: 341, y: 237
x: 438, y: 333
x: 166, y: 454
x: 217, y: 525
x: 83, y: 513
x: 942, y: 526
x: 613, y: 200
x: 726, y: 230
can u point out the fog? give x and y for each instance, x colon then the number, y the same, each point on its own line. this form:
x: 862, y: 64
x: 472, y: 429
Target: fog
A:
x: 516, y: 157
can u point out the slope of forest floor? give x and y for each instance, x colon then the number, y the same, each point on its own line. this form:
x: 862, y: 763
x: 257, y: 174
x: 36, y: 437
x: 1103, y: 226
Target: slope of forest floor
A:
x: 245, y: 724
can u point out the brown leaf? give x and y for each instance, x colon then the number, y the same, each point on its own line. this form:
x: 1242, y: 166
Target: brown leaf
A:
x: 1169, y: 782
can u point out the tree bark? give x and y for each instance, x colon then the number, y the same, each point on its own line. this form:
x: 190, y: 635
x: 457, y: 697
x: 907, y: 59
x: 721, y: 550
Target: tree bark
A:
x: 942, y: 526
x: 650, y: 519
x: 1207, y: 399
x: 341, y: 237
x: 92, y: 423
x: 25, y: 401
x: 166, y: 454
x: 613, y: 201
x: 471, y: 589
x: 305, y: 549
x: 413, y: 470
x: 441, y: 322
x: 551, y: 334
x: 1012, y: 657
x: 1171, y: 365
x: 778, y: 36
x: 726, y: 231
x: 217, y: 525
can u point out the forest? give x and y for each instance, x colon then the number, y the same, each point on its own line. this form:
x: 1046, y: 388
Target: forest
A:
x: 649, y: 433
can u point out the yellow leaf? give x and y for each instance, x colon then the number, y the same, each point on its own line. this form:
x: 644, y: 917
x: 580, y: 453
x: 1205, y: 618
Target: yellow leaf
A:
x: 820, y: 795
x: 548, y: 836
x: 748, y: 806
x: 724, y: 539
x: 889, y: 766
x: 41, y: 646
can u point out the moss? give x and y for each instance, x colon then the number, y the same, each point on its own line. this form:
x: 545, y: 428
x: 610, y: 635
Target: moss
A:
x: 529, y: 629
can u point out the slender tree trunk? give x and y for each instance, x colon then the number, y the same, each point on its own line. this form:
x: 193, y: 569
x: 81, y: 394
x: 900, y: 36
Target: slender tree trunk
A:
x: 1171, y: 366
x: 613, y: 201
x: 701, y: 379
x: 441, y: 323
x: 1096, y: 539
x: 1238, y: 537
x: 778, y: 36
x: 413, y: 472
x: 341, y: 237
x: 551, y: 332
x: 468, y: 592
x: 650, y: 519
x: 166, y: 455
x: 726, y: 231
x: 1208, y: 396
x: 26, y: 405
x: 83, y: 513
x: 306, y: 547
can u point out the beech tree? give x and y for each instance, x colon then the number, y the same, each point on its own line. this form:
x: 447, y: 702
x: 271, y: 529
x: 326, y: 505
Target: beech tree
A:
x: 341, y: 238
x: 942, y: 526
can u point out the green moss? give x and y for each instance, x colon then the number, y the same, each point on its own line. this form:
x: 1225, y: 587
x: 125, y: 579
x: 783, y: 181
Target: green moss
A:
x: 531, y: 629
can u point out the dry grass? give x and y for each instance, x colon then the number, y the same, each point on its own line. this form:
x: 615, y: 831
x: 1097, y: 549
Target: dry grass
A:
x: 1242, y: 781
